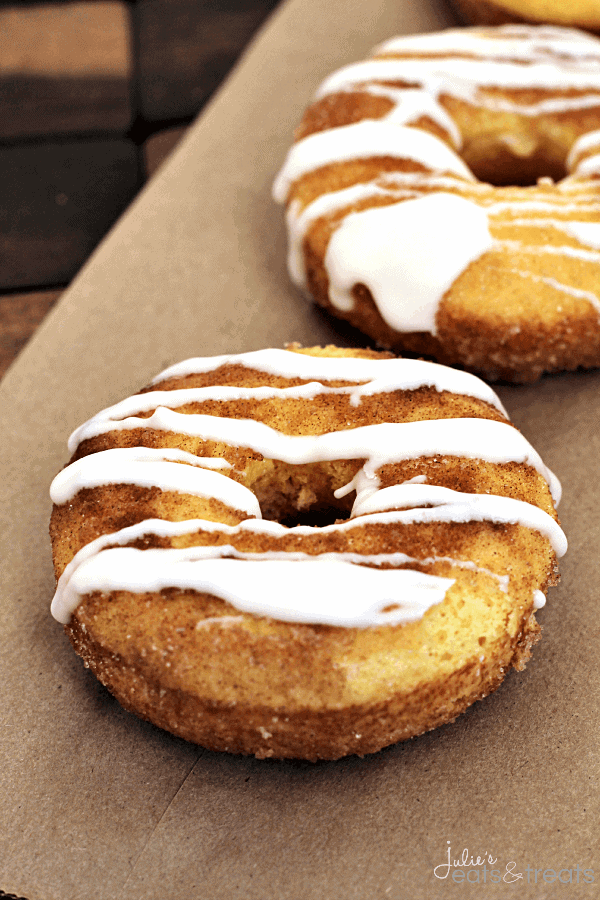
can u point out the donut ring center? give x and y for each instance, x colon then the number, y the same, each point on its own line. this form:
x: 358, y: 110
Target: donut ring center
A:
x: 304, y: 495
x: 519, y: 156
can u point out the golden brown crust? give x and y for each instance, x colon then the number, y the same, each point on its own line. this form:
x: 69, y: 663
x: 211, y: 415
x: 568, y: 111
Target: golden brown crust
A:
x: 476, y: 340
x: 196, y: 666
x: 553, y: 12
x: 486, y: 321
x: 514, y: 313
x: 306, y: 734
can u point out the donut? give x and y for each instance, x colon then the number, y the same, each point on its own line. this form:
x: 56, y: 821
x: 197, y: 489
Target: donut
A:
x: 574, y: 14
x: 303, y: 553
x: 434, y: 199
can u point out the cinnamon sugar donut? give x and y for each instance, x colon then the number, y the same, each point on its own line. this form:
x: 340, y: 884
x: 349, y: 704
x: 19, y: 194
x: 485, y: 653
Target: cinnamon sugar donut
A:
x: 436, y: 202
x: 427, y: 538
x: 574, y: 13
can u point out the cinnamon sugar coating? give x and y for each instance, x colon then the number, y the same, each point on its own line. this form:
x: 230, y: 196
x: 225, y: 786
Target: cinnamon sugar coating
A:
x: 438, y: 199
x: 575, y: 14
x: 194, y: 664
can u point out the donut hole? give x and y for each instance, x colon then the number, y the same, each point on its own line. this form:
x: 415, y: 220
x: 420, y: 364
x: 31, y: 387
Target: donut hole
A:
x: 319, y: 517
x: 505, y: 148
x: 304, y: 494
x: 514, y: 160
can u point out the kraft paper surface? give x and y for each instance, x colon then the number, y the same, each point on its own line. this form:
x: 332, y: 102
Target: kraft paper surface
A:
x: 96, y: 803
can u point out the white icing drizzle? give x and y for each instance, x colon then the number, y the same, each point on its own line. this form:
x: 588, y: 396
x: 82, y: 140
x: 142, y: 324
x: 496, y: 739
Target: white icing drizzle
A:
x: 377, y: 244
x: 150, y: 468
x: 408, y: 375
x: 363, y: 140
x: 573, y: 252
x: 66, y: 599
x: 445, y: 505
x: 413, y: 104
x: 587, y: 233
x: 582, y: 147
x: 300, y: 220
x: 560, y: 287
x: 544, y: 107
x: 287, y: 364
x: 80, y: 577
x: 511, y: 43
x: 588, y: 167
x: 358, y: 592
x: 461, y: 77
x: 589, y: 256
x: 397, y: 186
x: 388, y: 442
x: 387, y: 246
x: 357, y: 596
x: 378, y: 376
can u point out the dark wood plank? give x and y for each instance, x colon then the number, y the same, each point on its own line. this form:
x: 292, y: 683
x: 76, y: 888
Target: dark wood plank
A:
x: 56, y: 202
x: 186, y: 47
x: 37, y: 106
x: 65, y: 68
x: 20, y: 315
x: 160, y: 146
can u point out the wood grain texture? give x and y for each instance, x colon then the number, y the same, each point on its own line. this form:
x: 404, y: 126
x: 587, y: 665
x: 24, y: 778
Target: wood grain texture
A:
x: 56, y: 202
x: 68, y: 69
x: 186, y: 47
x: 65, y: 68
x: 20, y: 315
x: 159, y: 147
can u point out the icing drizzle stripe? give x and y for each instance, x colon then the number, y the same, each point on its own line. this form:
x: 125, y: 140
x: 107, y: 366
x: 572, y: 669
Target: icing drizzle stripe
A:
x: 116, y: 571
x: 396, y: 595
x: 418, y: 74
x: 486, y: 439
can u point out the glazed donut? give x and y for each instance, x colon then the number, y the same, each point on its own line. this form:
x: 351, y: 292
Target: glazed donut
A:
x: 574, y: 14
x: 303, y: 553
x: 393, y: 227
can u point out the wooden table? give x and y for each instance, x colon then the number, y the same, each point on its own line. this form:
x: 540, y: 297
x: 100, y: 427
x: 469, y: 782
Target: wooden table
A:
x: 94, y: 95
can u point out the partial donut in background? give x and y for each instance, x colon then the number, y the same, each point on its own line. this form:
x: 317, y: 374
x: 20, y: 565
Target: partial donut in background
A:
x: 572, y: 14
x: 444, y: 198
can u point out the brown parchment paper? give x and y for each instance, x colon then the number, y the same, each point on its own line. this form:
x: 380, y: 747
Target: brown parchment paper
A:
x: 97, y: 804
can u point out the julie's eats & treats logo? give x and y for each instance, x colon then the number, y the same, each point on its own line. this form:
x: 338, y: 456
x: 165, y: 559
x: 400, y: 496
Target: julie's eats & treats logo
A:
x: 486, y: 868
